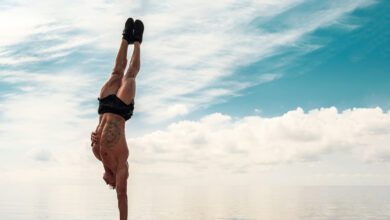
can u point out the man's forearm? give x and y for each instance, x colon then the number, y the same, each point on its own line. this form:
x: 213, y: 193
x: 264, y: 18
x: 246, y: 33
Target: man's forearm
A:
x: 122, y: 205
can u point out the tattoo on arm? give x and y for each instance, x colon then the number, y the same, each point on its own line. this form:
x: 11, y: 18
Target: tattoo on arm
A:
x: 111, y: 134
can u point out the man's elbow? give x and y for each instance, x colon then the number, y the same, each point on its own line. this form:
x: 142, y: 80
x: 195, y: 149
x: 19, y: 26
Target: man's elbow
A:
x: 121, y: 194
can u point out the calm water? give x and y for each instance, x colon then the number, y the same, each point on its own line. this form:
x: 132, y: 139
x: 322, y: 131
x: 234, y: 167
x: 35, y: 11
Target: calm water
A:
x: 171, y: 203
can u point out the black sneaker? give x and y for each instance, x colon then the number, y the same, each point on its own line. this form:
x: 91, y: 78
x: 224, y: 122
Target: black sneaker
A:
x: 128, y: 31
x: 138, y: 30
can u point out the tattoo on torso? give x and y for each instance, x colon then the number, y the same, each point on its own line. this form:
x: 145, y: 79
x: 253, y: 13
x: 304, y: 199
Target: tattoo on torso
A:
x: 111, y: 134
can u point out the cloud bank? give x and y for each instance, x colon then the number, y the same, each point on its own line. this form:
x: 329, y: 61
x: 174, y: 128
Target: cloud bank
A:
x: 219, y: 141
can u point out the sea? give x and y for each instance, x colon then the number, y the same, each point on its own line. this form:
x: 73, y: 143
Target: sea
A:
x: 174, y: 202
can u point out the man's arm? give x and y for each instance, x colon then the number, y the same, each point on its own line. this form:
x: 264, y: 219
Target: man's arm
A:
x: 121, y: 189
x: 95, y: 134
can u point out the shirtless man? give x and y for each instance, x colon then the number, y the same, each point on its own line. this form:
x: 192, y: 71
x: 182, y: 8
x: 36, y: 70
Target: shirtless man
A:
x: 116, y: 105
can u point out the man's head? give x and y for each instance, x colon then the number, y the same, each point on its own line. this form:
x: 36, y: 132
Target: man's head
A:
x: 109, y: 178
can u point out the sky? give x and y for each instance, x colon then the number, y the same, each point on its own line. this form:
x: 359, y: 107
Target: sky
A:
x: 230, y: 92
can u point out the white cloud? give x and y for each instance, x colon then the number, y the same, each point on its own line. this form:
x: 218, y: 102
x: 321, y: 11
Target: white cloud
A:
x: 49, y: 113
x: 221, y: 142
x: 45, y: 119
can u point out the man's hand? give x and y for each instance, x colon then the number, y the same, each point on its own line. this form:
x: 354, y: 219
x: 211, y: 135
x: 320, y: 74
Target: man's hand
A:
x: 95, y: 145
x: 94, y: 138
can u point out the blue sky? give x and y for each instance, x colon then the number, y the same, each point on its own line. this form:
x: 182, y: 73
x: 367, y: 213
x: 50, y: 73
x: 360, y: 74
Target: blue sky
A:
x: 271, y: 90
x: 350, y: 69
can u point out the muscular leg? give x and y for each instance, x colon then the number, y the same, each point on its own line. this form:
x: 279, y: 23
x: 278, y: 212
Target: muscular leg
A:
x: 112, y: 85
x: 127, y: 90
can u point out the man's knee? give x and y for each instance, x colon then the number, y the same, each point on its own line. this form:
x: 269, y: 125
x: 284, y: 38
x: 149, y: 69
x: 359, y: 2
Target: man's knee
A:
x: 129, y: 79
x: 118, y: 71
x: 132, y: 72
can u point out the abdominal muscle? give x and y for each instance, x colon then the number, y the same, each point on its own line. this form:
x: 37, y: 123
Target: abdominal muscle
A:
x: 113, y: 146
